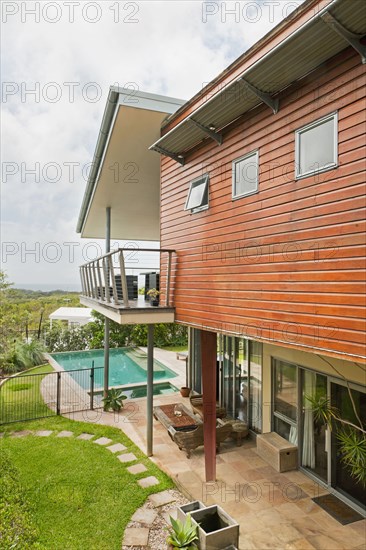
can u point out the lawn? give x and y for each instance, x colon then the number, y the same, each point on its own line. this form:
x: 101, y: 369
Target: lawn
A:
x: 74, y: 494
x: 20, y: 396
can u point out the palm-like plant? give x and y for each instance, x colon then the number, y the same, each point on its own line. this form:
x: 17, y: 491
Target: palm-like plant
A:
x: 182, y: 535
x: 351, y: 438
x: 114, y: 400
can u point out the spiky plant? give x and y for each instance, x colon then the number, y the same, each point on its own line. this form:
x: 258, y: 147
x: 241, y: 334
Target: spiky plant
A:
x: 182, y: 535
x: 114, y: 400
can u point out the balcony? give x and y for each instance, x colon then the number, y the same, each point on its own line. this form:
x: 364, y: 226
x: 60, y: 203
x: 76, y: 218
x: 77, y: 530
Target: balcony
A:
x: 108, y: 289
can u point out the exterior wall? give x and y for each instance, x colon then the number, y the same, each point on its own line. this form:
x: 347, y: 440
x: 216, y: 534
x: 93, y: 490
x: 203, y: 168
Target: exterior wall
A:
x: 351, y: 371
x: 285, y: 265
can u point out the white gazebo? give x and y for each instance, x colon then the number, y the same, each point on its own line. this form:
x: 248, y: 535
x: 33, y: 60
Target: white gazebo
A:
x: 75, y: 316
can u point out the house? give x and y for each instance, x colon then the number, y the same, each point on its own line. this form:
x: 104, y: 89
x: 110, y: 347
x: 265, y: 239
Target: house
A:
x: 72, y: 316
x: 261, y: 229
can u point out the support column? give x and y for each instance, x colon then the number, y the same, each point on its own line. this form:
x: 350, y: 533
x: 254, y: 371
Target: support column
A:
x: 209, y: 357
x: 149, y: 392
x: 106, y: 320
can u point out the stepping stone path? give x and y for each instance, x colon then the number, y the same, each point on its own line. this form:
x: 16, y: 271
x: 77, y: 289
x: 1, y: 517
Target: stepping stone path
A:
x: 85, y: 437
x: 43, y: 433
x: 103, y: 441
x: 147, y: 528
x: 117, y: 448
x: 137, y: 469
x: 65, y: 433
x: 148, y: 482
x: 127, y: 457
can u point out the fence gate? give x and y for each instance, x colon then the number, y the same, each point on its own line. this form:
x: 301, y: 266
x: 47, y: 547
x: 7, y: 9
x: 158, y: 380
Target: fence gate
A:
x: 33, y: 396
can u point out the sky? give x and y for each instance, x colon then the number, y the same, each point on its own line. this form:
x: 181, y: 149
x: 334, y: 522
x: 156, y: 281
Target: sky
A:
x: 58, y: 60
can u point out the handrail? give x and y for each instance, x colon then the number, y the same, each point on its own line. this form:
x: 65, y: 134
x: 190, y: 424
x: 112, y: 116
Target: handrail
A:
x: 129, y: 250
x: 104, y: 278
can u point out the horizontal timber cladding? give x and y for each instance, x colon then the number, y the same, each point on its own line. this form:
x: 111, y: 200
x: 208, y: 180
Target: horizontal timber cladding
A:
x: 286, y: 264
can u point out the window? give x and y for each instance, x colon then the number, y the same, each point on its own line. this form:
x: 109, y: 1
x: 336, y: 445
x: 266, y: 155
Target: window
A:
x: 285, y: 400
x: 245, y: 175
x: 316, y: 146
x: 197, y: 199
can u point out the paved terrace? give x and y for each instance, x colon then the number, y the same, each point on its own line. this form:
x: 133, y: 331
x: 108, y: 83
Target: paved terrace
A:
x: 275, y: 511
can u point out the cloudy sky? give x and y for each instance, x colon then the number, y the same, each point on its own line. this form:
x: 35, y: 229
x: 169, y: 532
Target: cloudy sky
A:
x: 58, y: 60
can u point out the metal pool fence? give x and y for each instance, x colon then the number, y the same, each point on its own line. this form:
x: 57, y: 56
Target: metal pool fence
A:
x: 33, y: 396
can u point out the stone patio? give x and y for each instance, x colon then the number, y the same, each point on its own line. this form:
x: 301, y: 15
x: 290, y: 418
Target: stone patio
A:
x: 275, y: 511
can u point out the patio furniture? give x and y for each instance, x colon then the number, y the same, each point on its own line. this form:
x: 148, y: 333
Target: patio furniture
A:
x: 189, y: 440
x: 197, y: 406
x: 166, y: 414
x: 239, y: 429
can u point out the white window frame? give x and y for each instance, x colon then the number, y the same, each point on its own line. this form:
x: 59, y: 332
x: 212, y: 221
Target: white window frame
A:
x: 204, y: 179
x: 298, y: 173
x: 254, y: 154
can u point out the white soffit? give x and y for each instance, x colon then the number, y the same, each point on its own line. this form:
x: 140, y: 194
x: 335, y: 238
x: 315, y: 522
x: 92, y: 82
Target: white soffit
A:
x: 128, y: 179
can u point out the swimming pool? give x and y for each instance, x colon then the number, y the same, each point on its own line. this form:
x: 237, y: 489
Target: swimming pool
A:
x: 126, y: 366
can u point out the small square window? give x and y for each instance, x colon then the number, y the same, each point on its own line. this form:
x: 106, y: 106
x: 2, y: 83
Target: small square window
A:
x: 316, y: 147
x: 245, y: 175
x: 197, y: 199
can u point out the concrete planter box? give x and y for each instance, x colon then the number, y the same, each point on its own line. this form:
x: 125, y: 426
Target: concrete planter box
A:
x: 182, y: 511
x: 216, y: 530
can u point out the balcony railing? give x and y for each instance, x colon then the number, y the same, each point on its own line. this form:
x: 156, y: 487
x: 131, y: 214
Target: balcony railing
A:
x: 105, y: 281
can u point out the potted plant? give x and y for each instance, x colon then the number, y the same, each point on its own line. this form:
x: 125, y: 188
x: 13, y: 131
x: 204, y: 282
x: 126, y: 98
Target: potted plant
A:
x: 153, y: 294
x: 185, y: 391
x: 182, y: 534
x: 114, y: 400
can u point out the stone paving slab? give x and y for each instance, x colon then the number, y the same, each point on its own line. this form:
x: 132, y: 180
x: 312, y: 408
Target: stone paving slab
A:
x: 65, y: 433
x: 161, y: 499
x: 22, y: 433
x: 127, y: 457
x: 137, y: 469
x: 145, y: 516
x: 103, y: 441
x: 136, y: 536
x: 116, y: 448
x: 44, y: 433
x: 148, y: 482
x: 85, y: 437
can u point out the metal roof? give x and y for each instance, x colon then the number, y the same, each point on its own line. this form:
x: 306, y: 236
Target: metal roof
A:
x: 342, y: 23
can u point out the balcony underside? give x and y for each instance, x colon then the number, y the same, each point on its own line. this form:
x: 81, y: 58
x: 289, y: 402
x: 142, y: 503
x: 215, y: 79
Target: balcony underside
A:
x: 138, y: 312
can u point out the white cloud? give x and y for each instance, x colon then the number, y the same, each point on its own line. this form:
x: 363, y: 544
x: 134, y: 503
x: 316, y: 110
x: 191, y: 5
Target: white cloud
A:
x: 168, y: 50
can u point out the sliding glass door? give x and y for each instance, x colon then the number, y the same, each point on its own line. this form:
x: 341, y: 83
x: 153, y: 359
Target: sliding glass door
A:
x: 241, y: 380
x: 314, y: 453
x: 352, y: 410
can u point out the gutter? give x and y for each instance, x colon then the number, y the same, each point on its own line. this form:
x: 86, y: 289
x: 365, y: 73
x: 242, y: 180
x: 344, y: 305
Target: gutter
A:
x: 109, y: 111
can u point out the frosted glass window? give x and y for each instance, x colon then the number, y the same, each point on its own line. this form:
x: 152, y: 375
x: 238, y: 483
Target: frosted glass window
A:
x: 316, y: 146
x: 245, y: 175
x: 198, y: 194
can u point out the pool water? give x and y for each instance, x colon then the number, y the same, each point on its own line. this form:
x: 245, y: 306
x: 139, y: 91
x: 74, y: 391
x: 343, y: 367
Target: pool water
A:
x: 126, y: 366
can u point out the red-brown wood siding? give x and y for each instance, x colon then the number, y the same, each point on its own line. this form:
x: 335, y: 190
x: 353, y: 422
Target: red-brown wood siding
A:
x: 286, y: 264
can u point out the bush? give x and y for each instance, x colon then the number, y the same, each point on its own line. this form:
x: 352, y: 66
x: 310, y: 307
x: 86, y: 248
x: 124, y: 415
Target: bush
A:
x: 16, y: 526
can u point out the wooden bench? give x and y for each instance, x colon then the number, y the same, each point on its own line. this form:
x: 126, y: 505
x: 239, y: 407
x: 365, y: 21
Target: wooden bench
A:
x: 277, y: 451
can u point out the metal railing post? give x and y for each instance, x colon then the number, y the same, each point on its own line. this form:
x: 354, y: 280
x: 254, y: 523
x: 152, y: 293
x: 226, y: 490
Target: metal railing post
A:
x: 101, y: 293
x: 92, y: 387
x: 106, y: 280
x: 169, y: 270
x: 113, y: 278
x: 123, y: 279
x: 58, y: 397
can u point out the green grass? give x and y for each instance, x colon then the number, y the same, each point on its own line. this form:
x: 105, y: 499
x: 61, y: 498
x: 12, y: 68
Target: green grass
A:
x: 72, y: 494
x: 20, y: 397
x: 80, y: 495
x: 16, y: 525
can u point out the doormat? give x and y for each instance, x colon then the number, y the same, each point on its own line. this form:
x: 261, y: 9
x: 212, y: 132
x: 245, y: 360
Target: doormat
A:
x: 337, y: 509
